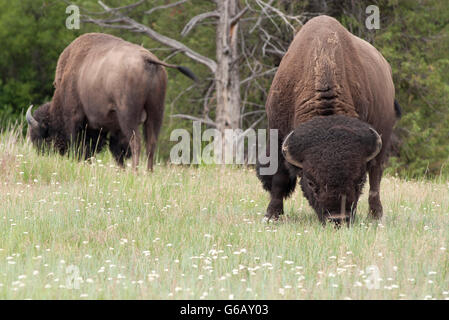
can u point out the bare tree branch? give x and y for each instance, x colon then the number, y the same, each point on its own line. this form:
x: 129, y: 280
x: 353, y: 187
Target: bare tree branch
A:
x: 211, y: 64
x: 276, y: 52
x: 252, y: 113
x: 255, y: 123
x: 238, y: 16
x: 105, y: 23
x: 171, y: 55
x: 131, y: 24
x: 259, y: 18
x: 179, y: 96
x: 189, y: 117
x: 285, y: 17
x: 206, y: 103
x: 267, y: 42
x: 257, y: 75
x: 191, y: 24
x: 130, y: 6
x: 170, y: 5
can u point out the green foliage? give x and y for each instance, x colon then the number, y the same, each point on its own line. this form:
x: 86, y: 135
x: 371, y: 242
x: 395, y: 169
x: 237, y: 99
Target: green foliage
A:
x: 416, y: 42
x: 32, y: 35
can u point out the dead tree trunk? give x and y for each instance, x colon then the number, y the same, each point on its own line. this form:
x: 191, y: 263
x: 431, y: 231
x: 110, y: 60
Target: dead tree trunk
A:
x: 227, y: 79
x: 227, y: 76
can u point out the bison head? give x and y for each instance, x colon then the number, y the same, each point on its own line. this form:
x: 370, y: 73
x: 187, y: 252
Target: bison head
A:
x: 331, y: 154
x: 39, y: 129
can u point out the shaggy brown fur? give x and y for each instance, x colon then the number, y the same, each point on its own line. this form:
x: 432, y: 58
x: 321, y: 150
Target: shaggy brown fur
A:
x: 326, y: 72
x: 105, y: 85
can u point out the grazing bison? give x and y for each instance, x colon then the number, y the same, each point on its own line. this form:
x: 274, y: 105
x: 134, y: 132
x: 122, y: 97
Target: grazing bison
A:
x: 105, y: 87
x: 333, y: 103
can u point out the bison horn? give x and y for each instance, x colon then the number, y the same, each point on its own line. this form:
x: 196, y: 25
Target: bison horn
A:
x: 378, y: 145
x: 286, y: 153
x: 31, y: 121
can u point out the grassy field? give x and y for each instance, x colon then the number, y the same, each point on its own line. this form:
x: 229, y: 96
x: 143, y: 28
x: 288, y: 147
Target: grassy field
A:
x: 72, y: 230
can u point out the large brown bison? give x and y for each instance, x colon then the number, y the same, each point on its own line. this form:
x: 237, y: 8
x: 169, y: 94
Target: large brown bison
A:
x: 333, y: 103
x: 105, y: 88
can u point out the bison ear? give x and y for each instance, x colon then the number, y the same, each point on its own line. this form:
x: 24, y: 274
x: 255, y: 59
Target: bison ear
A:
x: 286, y: 152
x: 374, y: 144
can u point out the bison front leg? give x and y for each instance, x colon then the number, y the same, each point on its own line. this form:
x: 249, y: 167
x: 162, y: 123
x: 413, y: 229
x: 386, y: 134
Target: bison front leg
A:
x: 375, y: 175
x: 277, y: 195
x: 280, y: 185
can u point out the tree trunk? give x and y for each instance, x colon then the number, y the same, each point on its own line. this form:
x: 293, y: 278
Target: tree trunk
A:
x: 227, y: 77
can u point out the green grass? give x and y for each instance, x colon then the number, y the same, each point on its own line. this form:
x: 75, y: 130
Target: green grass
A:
x: 193, y: 233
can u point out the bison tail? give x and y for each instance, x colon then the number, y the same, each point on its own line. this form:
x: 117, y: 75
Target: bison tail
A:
x: 186, y: 71
x: 397, y: 109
